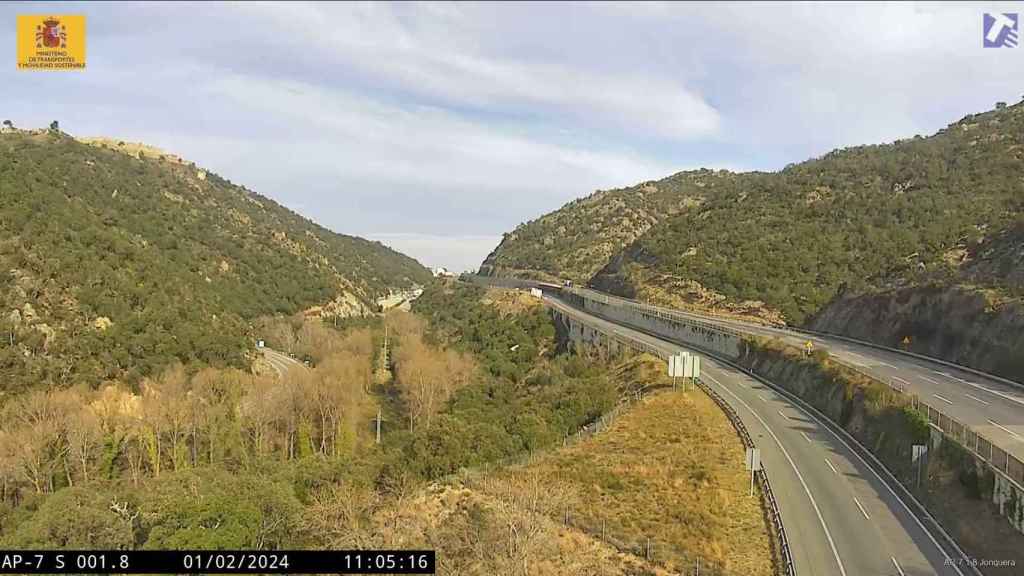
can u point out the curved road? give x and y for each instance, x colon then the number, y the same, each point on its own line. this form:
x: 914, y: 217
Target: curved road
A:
x: 985, y: 404
x: 841, y: 518
x: 280, y: 362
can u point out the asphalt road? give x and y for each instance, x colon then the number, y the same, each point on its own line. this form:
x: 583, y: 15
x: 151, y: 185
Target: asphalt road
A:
x: 989, y: 406
x: 282, y: 363
x: 840, y: 516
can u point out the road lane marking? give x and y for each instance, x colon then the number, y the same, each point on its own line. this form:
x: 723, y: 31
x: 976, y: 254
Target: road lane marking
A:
x: 929, y: 379
x: 901, y: 380
x: 1004, y: 429
x: 834, y: 471
x: 799, y: 476
x: 976, y: 399
x: 885, y: 364
x: 943, y: 399
x: 806, y: 437
x: 843, y: 441
x: 897, y: 498
x: 762, y: 398
x: 897, y: 565
x: 980, y: 387
x: 862, y: 510
x: 783, y: 415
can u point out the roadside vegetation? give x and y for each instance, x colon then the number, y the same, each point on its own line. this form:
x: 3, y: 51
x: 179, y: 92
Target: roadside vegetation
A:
x: 205, y: 457
x: 668, y: 474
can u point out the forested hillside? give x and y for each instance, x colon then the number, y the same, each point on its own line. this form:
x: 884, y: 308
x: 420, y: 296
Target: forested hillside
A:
x: 940, y: 210
x: 113, y: 265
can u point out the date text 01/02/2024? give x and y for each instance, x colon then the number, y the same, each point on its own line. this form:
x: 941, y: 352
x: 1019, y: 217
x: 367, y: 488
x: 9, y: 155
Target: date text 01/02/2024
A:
x: 217, y: 562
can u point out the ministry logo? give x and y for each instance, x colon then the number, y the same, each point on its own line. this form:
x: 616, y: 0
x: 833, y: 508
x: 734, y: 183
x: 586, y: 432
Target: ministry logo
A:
x: 1000, y: 30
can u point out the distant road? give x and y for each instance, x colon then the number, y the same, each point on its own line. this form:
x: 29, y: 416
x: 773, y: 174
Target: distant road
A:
x: 282, y: 363
x: 840, y: 517
x: 985, y: 404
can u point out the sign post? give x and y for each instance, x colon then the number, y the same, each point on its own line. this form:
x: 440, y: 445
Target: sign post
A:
x: 919, y: 450
x: 677, y: 366
x: 753, y: 464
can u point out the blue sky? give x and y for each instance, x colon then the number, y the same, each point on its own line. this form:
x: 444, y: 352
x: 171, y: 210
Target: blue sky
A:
x: 436, y: 127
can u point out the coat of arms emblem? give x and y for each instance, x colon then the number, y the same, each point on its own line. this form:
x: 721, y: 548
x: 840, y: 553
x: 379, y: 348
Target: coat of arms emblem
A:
x: 50, y: 34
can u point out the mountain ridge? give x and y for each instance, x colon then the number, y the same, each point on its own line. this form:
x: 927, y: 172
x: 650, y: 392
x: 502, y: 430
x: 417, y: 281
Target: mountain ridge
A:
x: 938, y: 212
x: 145, y: 261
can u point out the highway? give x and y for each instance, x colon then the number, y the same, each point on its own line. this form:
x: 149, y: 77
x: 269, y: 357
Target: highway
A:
x: 281, y: 363
x: 841, y: 517
x: 985, y: 404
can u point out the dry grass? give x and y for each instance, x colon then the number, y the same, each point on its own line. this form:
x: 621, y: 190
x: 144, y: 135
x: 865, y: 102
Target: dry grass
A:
x: 670, y: 469
x: 510, y: 302
x: 473, y: 533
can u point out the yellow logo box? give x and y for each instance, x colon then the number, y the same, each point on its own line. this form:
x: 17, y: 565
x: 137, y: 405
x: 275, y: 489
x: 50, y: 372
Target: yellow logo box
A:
x: 50, y: 42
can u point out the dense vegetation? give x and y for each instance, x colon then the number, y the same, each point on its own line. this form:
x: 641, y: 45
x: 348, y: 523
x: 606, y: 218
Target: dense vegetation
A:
x: 224, y: 458
x: 855, y: 220
x: 114, y: 266
x: 507, y: 344
x: 527, y: 398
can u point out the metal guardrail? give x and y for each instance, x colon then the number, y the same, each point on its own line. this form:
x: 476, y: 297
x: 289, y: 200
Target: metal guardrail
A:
x: 924, y: 357
x: 769, y: 500
x: 999, y: 460
x: 771, y: 503
x: 650, y: 309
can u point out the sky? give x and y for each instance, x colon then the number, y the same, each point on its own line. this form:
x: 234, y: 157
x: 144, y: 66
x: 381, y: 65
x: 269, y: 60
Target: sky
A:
x: 436, y: 127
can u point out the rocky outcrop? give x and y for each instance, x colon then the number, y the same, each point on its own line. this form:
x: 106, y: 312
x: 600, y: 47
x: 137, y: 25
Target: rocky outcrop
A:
x: 956, y: 324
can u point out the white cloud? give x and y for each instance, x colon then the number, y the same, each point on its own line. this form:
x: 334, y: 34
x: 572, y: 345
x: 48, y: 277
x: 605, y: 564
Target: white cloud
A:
x: 436, y: 51
x: 453, y: 121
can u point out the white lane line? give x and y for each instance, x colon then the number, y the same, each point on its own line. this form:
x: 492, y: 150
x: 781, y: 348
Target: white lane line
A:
x: 799, y: 476
x: 889, y: 489
x: 943, y: 399
x: 1004, y: 429
x: 901, y: 380
x: 897, y: 565
x: 761, y: 398
x: 879, y: 362
x: 783, y: 415
x: 976, y: 399
x: 806, y: 437
x: 862, y: 510
x: 928, y: 379
x: 834, y: 471
x: 990, y: 391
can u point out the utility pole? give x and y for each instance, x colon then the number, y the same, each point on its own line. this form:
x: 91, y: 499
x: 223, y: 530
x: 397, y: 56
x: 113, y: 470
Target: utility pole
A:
x: 378, y: 425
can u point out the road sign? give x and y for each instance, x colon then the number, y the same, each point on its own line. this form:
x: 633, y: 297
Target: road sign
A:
x: 753, y: 464
x: 677, y: 364
x: 919, y: 450
x: 691, y: 368
x: 753, y: 459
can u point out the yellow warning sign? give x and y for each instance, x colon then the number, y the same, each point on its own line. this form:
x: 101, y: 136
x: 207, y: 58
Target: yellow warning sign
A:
x: 47, y: 42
